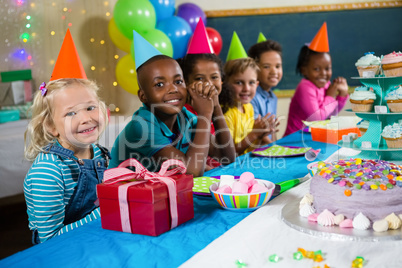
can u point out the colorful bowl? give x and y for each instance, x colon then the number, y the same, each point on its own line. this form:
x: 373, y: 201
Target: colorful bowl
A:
x: 243, y: 202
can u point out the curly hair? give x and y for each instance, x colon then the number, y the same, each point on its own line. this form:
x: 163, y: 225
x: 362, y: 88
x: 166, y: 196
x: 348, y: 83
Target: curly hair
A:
x: 37, y: 134
x: 304, y: 58
x: 231, y: 68
x: 188, y: 62
x: 256, y: 50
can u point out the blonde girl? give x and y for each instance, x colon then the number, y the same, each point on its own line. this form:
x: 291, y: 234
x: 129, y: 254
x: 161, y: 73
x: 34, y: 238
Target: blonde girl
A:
x: 239, y: 89
x: 60, y: 188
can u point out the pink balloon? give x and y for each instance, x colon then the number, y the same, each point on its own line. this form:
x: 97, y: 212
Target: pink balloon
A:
x: 215, y: 39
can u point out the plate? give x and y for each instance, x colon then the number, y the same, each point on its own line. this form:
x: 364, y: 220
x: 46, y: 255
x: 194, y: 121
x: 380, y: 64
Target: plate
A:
x: 280, y: 151
x: 290, y: 216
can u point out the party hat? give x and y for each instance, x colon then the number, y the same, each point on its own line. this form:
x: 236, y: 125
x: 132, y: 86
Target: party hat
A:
x: 236, y: 49
x: 199, y: 42
x: 320, y: 40
x: 261, y: 38
x: 68, y: 63
x: 143, y: 50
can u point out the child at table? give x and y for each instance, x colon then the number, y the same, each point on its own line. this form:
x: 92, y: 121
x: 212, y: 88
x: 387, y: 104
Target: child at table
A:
x: 316, y: 98
x: 207, y: 68
x: 238, y: 90
x: 268, y: 55
x: 67, y: 120
x: 60, y: 187
x: 162, y: 128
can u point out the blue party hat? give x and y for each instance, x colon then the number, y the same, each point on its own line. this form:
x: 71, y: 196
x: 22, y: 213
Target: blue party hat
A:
x: 143, y: 50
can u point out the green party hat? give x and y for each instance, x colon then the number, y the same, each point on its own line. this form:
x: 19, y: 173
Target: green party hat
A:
x: 261, y: 38
x: 236, y: 49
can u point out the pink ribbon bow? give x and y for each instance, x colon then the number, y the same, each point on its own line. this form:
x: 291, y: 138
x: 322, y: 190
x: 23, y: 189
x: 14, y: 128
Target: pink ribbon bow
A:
x: 141, y: 174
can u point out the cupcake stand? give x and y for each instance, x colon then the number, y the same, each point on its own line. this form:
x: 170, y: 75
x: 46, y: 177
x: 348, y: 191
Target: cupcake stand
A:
x: 379, y: 148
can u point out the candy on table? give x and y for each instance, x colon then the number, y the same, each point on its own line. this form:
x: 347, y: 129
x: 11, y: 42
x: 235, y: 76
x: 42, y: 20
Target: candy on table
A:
x: 274, y: 258
x: 240, y: 263
x: 358, y: 262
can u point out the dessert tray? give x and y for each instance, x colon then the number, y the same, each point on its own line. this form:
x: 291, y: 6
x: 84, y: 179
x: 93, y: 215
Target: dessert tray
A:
x: 290, y: 216
x: 377, y: 122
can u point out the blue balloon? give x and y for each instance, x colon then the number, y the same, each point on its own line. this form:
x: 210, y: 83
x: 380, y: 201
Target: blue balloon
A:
x: 179, y: 33
x: 163, y: 8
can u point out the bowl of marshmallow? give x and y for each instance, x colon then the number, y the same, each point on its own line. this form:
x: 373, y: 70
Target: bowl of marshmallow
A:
x: 244, y: 194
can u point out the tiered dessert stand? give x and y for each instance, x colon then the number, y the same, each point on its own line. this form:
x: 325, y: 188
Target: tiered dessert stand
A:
x: 377, y: 122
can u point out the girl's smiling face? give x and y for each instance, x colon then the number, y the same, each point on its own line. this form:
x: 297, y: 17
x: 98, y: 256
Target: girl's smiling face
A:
x: 244, y: 85
x: 77, y: 118
x: 318, y: 70
x: 206, y: 71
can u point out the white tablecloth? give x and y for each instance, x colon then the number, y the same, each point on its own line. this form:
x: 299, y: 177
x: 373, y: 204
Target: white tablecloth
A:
x: 14, y: 167
x: 263, y: 233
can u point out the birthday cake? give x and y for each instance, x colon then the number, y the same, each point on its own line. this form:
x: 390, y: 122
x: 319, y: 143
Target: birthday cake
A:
x: 355, y: 193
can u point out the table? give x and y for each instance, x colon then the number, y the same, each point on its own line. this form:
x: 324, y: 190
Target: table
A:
x: 214, y: 238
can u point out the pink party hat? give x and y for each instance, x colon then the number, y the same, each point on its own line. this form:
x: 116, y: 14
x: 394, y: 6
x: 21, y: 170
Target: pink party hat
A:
x: 199, y: 42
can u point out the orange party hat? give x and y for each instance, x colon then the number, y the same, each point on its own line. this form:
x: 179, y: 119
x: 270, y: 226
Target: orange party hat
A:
x: 68, y: 63
x: 320, y: 40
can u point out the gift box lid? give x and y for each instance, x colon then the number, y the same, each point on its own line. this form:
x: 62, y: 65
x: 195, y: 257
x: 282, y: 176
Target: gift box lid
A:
x: 146, y: 192
x: 16, y: 75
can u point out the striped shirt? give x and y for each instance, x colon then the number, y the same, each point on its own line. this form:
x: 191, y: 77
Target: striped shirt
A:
x: 48, y: 187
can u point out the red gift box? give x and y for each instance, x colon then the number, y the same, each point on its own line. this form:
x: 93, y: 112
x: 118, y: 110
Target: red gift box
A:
x: 143, y: 202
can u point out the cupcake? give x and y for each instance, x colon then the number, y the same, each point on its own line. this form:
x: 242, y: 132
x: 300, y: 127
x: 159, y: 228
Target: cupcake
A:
x: 392, y: 134
x: 362, y: 99
x: 392, y: 64
x: 363, y: 126
x: 368, y: 65
x: 394, y: 100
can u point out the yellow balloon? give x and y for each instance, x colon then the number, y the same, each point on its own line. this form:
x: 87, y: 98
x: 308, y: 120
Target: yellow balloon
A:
x: 126, y: 74
x: 118, y: 38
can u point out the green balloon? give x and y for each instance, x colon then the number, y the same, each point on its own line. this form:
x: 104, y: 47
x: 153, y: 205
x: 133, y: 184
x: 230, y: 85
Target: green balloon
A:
x: 132, y: 15
x: 159, y: 40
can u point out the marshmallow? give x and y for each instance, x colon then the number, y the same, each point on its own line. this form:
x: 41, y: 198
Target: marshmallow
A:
x: 239, y: 188
x: 257, y: 188
x: 224, y: 189
x: 247, y: 178
x: 226, y: 180
x: 366, y: 145
x: 353, y: 135
x: 347, y: 139
x: 380, y: 109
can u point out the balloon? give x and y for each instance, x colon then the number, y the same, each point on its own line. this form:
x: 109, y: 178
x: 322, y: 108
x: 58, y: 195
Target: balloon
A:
x: 179, y: 32
x: 215, y: 39
x: 163, y: 8
x: 118, y: 38
x: 191, y: 13
x: 132, y: 15
x: 159, y: 40
x: 126, y: 74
